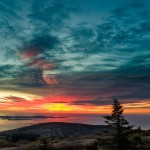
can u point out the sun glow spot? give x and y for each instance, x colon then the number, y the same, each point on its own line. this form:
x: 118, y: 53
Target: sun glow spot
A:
x: 57, y: 107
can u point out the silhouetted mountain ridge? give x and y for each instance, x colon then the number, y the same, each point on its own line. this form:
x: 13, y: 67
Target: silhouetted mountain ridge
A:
x: 59, y: 129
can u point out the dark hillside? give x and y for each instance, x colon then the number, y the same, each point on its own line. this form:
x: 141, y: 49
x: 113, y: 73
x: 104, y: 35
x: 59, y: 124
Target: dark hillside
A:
x: 59, y: 129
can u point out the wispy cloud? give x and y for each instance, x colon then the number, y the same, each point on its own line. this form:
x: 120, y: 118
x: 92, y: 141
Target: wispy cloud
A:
x: 56, y: 48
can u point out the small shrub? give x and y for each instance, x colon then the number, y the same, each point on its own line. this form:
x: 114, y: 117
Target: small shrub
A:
x: 28, y: 137
x: 45, y: 143
x: 5, y: 143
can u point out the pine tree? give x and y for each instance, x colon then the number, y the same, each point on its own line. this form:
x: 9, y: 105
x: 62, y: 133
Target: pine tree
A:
x: 121, y: 126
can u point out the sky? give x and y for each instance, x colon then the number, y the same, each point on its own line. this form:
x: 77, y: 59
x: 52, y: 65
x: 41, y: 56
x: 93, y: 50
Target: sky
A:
x: 72, y: 57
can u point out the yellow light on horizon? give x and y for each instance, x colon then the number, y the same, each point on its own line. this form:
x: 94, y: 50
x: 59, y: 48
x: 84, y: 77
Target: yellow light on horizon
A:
x: 57, y: 107
x: 73, y: 108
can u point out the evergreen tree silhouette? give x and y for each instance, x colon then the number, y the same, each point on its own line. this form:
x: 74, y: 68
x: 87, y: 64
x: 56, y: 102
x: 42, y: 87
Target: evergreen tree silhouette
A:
x: 121, y: 126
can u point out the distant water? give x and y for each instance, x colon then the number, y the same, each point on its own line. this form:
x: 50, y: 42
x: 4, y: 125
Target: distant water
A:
x: 138, y: 120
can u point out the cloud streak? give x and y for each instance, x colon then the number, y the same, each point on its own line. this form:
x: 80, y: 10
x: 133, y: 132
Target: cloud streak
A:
x: 27, y: 117
x: 57, y: 48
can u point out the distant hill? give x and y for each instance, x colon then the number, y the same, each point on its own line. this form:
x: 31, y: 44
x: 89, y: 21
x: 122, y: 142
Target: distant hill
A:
x: 59, y: 129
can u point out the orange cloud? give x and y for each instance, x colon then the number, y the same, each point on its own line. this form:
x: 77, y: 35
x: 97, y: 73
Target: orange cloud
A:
x: 49, y: 79
x: 62, y: 103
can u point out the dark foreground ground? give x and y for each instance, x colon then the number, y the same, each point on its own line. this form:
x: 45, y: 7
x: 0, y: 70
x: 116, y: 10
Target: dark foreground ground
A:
x: 67, y: 136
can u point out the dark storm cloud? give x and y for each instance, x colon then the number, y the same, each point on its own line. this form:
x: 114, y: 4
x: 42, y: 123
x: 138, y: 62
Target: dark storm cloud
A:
x: 14, y: 99
x: 100, y: 88
x: 99, y: 102
x: 92, y: 102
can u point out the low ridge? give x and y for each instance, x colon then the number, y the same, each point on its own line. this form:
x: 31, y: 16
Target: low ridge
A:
x: 59, y: 129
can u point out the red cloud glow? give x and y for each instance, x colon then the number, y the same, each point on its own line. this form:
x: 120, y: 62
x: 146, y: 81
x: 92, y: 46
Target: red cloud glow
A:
x: 41, y: 64
x: 50, y: 79
x: 30, y: 53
